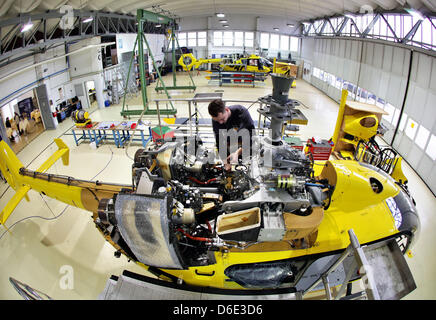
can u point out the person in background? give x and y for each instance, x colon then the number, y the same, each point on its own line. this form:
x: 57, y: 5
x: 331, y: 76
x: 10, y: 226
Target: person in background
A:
x: 17, y: 122
x: 9, y: 129
x: 24, y: 125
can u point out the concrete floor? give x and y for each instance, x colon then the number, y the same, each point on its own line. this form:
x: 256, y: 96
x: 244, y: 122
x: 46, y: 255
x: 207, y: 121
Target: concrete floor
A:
x: 42, y: 253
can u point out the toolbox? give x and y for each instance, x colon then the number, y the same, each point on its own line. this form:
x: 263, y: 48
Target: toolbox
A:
x: 320, y: 150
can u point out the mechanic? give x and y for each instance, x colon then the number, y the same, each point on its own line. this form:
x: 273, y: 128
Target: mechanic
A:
x: 236, y: 118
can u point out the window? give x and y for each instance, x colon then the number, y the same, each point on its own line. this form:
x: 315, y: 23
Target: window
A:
x: 361, y: 94
x: 316, y: 26
x: 376, y: 28
x: 294, y: 43
x: 202, y: 39
x: 397, y: 26
x: 239, y: 39
x: 421, y: 137
x: 347, y: 29
x: 380, y: 103
x: 228, y: 39
x: 182, y: 39
x: 371, y: 98
x: 433, y: 41
x: 335, y: 23
x: 338, y: 83
x: 330, y: 79
x: 395, y: 117
x: 431, y: 147
x: 249, y: 36
x: 403, y: 121
x: 321, y: 75
x: 390, y: 109
x: 274, y: 41
x: 402, y: 24
x: 351, y: 88
x: 192, y: 39
x: 411, y: 128
x: 264, y: 40
x: 217, y: 38
x: 284, y: 42
x: 427, y: 30
x: 391, y: 19
x: 383, y: 28
x: 407, y: 24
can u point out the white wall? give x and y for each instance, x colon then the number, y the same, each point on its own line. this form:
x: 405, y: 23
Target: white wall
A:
x: 59, y: 69
x: 53, y: 74
x: 237, y: 23
x: 307, y: 49
x: 87, y: 66
x: 383, y: 70
x: 193, y: 23
x: 126, y: 42
x: 20, y: 82
x: 416, y: 141
x: 87, y: 61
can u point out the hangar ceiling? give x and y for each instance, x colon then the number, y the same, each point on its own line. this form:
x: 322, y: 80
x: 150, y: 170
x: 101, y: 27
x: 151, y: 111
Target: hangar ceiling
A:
x: 296, y: 10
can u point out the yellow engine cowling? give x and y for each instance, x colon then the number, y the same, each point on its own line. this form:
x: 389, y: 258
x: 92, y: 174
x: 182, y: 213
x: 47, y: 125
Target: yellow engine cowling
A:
x: 361, y: 125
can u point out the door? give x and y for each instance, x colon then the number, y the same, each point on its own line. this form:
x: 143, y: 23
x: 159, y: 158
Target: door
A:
x: 44, y: 107
x: 307, y: 71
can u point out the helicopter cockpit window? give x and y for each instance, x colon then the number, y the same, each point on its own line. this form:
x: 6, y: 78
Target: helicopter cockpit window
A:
x: 253, y: 62
x: 266, y: 62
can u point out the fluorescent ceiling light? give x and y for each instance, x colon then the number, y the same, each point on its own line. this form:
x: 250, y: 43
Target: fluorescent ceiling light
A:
x: 290, y: 25
x: 276, y: 29
x: 225, y: 25
x: 223, y: 21
x: 415, y: 13
x: 220, y: 15
x: 27, y: 26
x: 88, y: 19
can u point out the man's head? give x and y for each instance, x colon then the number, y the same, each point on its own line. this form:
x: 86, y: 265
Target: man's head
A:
x: 218, y: 111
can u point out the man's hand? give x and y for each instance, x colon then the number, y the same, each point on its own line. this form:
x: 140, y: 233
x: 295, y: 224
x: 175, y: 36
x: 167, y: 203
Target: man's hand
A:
x: 233, y: 158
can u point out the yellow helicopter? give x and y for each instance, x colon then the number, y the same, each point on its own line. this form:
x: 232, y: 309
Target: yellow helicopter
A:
x: 270, y: 223
x: 250, y: 63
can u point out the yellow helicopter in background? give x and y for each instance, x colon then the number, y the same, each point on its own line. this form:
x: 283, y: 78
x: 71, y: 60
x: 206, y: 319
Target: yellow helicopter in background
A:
x: 250, y: 63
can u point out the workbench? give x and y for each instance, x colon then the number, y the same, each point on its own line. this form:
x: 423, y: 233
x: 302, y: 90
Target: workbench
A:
x: 120, y: 132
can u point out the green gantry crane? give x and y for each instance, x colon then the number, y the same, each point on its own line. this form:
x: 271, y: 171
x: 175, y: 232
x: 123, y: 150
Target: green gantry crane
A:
x: 141, y: 17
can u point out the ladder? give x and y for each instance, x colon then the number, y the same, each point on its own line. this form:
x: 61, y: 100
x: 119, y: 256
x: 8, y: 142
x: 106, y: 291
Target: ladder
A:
x: 27, y: 292
x: 384, y: 272
x: 116, y: 78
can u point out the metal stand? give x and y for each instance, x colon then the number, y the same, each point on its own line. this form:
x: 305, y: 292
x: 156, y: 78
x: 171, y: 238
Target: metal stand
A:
x: 382, y: 268
x: 173, y: 64
x: 143, y: 16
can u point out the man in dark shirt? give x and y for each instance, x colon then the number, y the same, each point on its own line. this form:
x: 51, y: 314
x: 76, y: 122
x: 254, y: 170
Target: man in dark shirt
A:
x: 236, y: 118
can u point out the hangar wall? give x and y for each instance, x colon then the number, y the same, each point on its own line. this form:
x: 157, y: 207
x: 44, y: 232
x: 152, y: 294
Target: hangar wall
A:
x: 238, y: 22
x: 400, y: 80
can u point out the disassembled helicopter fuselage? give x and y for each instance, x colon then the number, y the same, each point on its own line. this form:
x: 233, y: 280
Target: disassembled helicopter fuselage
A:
x: 264, y: 224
